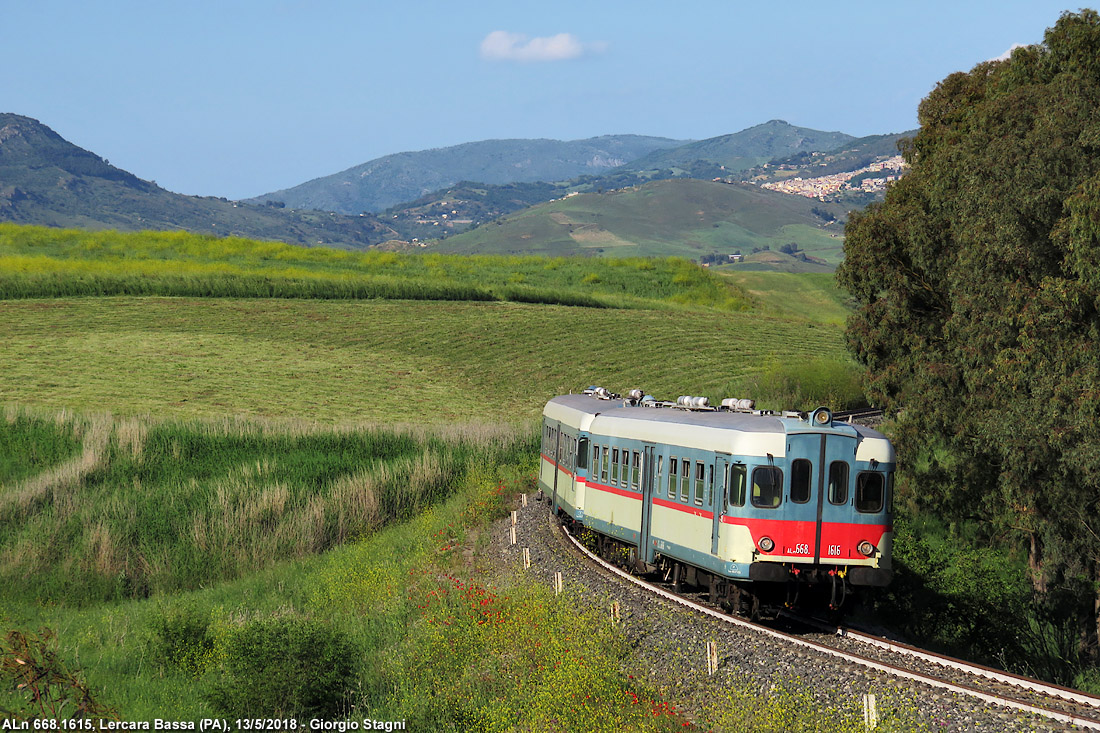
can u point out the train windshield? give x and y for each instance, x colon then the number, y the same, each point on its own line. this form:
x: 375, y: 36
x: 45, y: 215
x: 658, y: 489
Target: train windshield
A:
x: 767, y: 487
x: 870, y: 488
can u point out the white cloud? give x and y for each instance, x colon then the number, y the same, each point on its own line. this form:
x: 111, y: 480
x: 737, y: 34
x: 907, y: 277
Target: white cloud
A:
x: 505, y: 46
x: 1004, y: 56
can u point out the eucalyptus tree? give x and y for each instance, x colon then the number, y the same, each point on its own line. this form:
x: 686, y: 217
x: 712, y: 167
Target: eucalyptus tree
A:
x: 978, y: 289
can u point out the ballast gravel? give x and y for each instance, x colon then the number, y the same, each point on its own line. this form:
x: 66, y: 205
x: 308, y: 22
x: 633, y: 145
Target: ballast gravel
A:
x: 669, y: 643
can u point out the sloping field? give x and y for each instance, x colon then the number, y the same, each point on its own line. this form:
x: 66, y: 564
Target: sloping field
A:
x: 685, y: 218
x: 812, y: 296
x: 352, y: 361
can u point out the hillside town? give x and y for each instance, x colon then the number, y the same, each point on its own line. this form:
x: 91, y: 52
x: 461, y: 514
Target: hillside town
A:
x: 862, y: 179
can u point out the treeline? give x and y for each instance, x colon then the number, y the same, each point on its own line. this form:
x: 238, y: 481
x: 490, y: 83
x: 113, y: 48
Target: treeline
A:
x: 39, y: 262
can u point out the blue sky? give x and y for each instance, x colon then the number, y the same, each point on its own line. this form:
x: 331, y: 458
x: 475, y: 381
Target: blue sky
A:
x: 238, y: 97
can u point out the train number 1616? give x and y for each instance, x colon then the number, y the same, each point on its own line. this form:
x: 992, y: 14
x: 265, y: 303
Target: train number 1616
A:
x: 834, y: 550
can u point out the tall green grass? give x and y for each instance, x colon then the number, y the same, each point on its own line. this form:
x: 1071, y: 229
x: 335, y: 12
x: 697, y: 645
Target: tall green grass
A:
x: 804, y: 384
x: 32, y: 443
x: 152, y: 507
x: 42, y: 262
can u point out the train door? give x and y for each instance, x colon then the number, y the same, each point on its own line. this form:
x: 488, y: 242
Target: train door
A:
x: 805, y: 456
x: 719, y: 498
x: 837, y: 457
x: 645, y: 546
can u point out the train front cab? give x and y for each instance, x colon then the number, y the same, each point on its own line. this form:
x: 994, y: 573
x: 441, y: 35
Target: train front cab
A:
x: 819, y: 513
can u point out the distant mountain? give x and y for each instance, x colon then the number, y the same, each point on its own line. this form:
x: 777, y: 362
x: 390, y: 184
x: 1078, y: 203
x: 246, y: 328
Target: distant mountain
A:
x: 683, y: 217
x: 393, y: 179
x: 467, y: 204
x: 744, y: 149
x: 44, y: 179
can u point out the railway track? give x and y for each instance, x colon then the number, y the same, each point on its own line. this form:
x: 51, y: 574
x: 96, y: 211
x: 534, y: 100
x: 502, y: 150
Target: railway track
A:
x: 1069, y: 707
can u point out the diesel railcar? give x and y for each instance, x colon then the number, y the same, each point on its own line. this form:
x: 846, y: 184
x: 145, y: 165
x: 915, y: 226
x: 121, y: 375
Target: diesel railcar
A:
x: 753, y: 506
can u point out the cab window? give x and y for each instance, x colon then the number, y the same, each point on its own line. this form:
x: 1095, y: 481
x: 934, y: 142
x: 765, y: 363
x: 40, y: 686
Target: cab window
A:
x: 767, y: 487
x: 870, y: 489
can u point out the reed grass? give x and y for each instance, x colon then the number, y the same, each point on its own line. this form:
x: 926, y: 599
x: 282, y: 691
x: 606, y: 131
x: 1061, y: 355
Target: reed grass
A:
x: 147, y: 507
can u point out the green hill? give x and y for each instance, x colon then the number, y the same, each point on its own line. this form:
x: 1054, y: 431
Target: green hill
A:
x: 47, y: 180
x: 393, y: 179
x: 681, y: 217
x: 744, y: 149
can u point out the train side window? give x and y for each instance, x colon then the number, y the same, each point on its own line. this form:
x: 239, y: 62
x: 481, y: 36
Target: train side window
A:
x: 582, y: 454
x: 660, y: 472
x: 767, y: 487
x: 737, y: 485
x: 699, y: 473
x: 673, y: 470
x: 870, y: 487
x: 685, y: 480
x: 710, y: 485
x: 801, y: 470
x: 624, y: 468
x: 838, y: 482
x: 603, y: 464
x: 614, y: 466
x: 635, y: 469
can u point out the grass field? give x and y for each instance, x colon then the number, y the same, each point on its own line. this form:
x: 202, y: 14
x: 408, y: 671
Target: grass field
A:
x: 347, y: 362
x: 811, y: 296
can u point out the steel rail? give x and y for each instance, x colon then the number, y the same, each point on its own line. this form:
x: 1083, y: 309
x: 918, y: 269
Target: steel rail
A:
x: 859, y: 659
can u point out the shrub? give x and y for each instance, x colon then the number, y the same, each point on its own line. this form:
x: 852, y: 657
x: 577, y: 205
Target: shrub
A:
x: 181, y: 638
x: 285, y: 667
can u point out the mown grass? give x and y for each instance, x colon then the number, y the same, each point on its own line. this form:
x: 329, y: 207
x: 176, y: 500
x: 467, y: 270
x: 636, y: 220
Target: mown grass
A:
x: 338, y: 361
x: 809, y: 296
x: 43, y: 262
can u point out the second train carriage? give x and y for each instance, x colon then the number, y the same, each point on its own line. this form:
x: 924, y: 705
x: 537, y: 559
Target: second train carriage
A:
x: 750, y: 503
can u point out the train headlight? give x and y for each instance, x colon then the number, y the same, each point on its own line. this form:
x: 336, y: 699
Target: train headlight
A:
x: 766, y: 544
x: 866, y: 548
x: 822, y: 416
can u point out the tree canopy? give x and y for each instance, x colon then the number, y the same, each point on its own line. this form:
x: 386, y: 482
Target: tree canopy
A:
x: 978, y: 289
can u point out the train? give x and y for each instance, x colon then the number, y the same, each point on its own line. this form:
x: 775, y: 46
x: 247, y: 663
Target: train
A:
x: 759, y: 509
